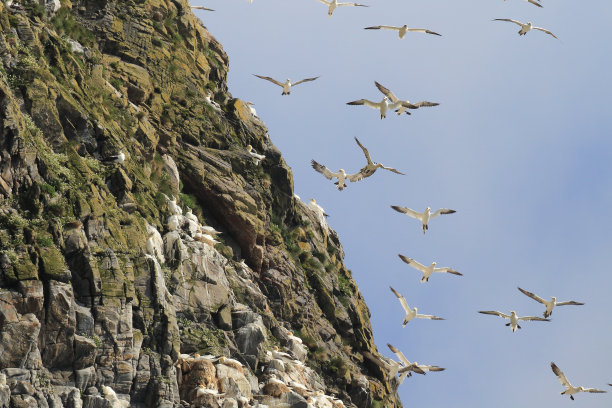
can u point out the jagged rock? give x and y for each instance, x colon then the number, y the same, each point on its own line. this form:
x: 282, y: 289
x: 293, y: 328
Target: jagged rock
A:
x: 23, y: 401
x: 284, y: 399
x: 229, y: 377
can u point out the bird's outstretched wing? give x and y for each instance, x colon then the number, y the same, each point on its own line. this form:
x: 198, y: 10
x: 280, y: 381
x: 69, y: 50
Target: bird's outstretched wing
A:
x: 383, y: 27
x: 509, y: 20
x: 401, y: 299
x: 535, y: 3
x: 423, y: 30
x: 387, y: 92
x: 360, y: 175
x: 352, y: 4
x: 447, y: 270
x: 441, y: 211
x: 569, y: 302
x: 408, y: 211
x: 323, y: 170
x: 303, y: 80
x: 532, y: 295
x: 422, y: 104
x: 325, y: 2
x: 560, y: 375
x: 201, y: 8
x: 365, y: 151
x: 593, y: 390
x: 274, y: 81
x: 392, y: 169
x: 545, y: 30
x: 413, y: 263
x: 528, y: 318
x: 365, y: 102
x: 430, y: 317
x: 495, y: 313
x: 399, y: 355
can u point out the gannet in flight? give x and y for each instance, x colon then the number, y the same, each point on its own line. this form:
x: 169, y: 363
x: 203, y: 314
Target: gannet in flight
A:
x: 256, y: 157
x: 402, y: 108
x: 570, y: 389
x: 425, y: 216
x: 369, y: 168
x: 201, y: 8
x: 383, y: 105
x: 427, y: 270
x: 411, y: 313
x: 407, y: 368
x: 514, y: 319
x: 334, y: 3
x: 341, y: 175
x: 401, y: 31
x: 550, y: 304
x: 287, y: 85
x: 525, y: 28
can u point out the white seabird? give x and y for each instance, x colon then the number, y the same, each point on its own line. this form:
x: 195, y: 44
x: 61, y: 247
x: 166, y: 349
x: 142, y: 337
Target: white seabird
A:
x: 118, y: 158
x: 514, y: 319
x: 401, y: 31
x: 333, y: 4
x: 277, y: 354
x: 205, y: 229
x: 427, y: 270
x: 252, y: 109
x: 316, y: 208
x: 570, y: 389
x: 408, y: 104
x: 111, y: 397
x: 525, y: 27
x: 256, y: 157
x: 425, y: 216
x: 411, y: 313
x: 191, y: 216
x: 287, y: 84
x: 209, y: 100
x: 369, y: 168
x: 550, y: 304
x: 174, y: 208
x: 383, y: 106
x: 407, y: 368
x: 341, y: 175
x: 534, y: 2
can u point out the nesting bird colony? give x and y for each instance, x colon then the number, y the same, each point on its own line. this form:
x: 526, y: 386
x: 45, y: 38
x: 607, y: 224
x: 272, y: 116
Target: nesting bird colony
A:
x: 341, y: 178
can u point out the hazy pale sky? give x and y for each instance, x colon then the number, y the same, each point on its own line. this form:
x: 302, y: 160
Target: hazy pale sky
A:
x: 520, y: 146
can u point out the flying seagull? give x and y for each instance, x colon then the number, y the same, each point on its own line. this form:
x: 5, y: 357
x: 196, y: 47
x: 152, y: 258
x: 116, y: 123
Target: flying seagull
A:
x: 425, y: 216
x: 525, y: 28
x: 395, y: 99
x: 256, y: 157
x: 427, y: 270
x: 514, y: 319
x: 369, y: 168
x: 411, y: 313
x: 534, y: 2
x: 334, y: 3
x: 201, y: 8
x: 407, y: 368
x: 570, y: 389
x: 401, y: 31
x: 287, y: 85
x: 341, y: 175
x: 383, y: 105
x: 550, y: 304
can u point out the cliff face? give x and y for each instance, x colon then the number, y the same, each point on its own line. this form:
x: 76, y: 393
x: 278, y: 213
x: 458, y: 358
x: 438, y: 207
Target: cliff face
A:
x: 102, y: 282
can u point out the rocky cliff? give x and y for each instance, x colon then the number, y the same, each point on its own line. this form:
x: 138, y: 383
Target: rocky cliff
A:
x: 110, y: 290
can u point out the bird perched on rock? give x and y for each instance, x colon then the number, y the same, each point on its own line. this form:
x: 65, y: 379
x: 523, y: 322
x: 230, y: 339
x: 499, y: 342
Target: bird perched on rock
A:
x: 256, y: 157
x: 209, y: 100
x: 173, y: 207
x: 191, y: 216
x: 118, y: 158
x: 111, y: 397
x: 231, y: 363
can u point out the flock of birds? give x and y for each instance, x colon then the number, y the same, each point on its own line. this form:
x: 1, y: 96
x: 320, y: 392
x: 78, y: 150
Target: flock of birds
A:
x: 390, y: 102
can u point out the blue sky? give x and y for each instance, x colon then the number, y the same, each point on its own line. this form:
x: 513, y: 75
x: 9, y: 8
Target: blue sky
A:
x: 520, y: 146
